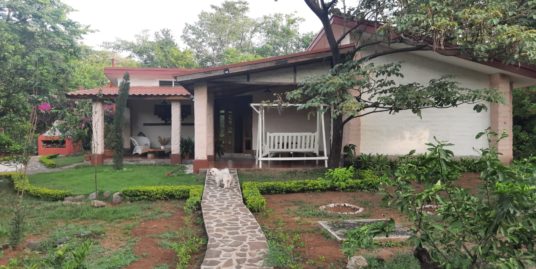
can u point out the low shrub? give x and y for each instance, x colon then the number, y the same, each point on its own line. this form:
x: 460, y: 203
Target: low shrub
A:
x: 340, y: 176
x: 184, y: 250
x: 255, y: 202
x: 48, y: 160
x: 21, y: 183
x: 253, y: 198
x: 156, y: 192
x: 193, y: 203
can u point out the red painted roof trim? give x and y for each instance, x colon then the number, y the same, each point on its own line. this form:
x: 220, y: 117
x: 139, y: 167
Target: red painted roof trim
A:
x: 134, y: 91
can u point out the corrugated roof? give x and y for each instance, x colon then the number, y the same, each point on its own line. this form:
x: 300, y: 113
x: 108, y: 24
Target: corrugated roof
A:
x: 134, y: 91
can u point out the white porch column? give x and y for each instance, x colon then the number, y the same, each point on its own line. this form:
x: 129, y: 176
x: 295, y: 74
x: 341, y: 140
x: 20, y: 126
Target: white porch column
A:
x: 501, y: 116
x: 97, y: 141
x: 200, y: 125
x: 175, y: 132
x: 210, y: 127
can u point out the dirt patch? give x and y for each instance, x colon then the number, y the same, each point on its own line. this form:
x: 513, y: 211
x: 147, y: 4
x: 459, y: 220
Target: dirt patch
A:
x: 299, y: 211
x: 148, y: 246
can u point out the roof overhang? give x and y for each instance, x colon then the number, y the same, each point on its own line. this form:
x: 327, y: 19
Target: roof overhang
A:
x: 225, y: 71
x: 135, y: 92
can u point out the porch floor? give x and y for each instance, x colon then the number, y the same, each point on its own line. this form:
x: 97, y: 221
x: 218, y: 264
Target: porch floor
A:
x: 240, y: 163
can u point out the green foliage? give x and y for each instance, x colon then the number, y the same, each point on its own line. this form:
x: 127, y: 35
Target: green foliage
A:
x: 184, y: 250
x: 48, y: 160
x: 8, y: 146
x: 283, y: 247
x: 159, y: 51
x: 187, y: 147
x: 225, y: 34
x: 524, y: 112
x: 16, y: 227
x: 362, y: 237
x: 22, y: 184
x: 340, y: 176
x: 68, y: 256
x: 495, y: 228
x: 399, y: 261
x: 120, y: 105
x: 151, y: 193
x: 253, y: 198
x: 38, y: 44
x: 255, y: 201
x: 193, y: 203
x: 378, y: 163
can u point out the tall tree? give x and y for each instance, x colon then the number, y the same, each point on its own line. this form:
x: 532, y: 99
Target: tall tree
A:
x: 38, y: 43
x: 120, y: 105
x: 226, y: 31
x: 159, y: 51
x: 482, y: 30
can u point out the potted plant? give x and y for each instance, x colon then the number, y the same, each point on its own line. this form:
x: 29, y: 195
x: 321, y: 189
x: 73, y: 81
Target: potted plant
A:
x: 164, y: 141
x: 187, y: 148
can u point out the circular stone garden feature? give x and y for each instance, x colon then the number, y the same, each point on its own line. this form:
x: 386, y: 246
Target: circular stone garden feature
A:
x: 341, y: 208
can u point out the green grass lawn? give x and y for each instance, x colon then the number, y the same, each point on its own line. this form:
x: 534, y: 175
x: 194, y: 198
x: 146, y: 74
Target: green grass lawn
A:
x: 80, y: 180
x: 275, y: 175
x: 62, y: 161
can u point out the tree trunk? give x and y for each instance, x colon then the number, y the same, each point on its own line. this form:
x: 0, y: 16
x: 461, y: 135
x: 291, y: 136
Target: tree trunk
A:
x: 336, y: 143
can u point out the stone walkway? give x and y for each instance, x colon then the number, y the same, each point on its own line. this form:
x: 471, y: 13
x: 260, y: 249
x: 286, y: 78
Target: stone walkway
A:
x: 235, y: 239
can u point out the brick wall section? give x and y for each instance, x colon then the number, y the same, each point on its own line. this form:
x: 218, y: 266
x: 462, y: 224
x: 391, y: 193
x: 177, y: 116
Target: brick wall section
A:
x: 501, y: 115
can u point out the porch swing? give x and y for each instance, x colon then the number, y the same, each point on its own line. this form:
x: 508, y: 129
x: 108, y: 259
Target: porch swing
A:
x: 271, y: 143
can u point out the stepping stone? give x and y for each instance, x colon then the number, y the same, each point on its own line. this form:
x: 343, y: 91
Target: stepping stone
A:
x: 230, y: 243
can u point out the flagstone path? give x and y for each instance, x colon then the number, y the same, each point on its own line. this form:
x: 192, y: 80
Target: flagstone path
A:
x: 235, y: 239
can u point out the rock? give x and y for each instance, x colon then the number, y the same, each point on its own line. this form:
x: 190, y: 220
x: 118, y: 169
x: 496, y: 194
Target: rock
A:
x: 62, y: 241
x: 97, y: 203
x: 357, y: 262
x: 384, y: 254
x: 79, y: 198
x: 92, y: 196
x: 33, y: 245
x: 106, y: 194
x: 117, y: 198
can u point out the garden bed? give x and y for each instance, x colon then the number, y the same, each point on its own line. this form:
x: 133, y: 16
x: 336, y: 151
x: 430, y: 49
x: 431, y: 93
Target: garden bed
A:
x: 138, y: 235
x: 339, y: 228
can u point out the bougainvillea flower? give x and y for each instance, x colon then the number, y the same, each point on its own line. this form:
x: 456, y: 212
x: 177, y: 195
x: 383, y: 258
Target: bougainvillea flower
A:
x: 44, y: 107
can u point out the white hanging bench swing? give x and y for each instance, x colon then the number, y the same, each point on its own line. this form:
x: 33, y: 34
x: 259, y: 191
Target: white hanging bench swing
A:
x: 271, y: 143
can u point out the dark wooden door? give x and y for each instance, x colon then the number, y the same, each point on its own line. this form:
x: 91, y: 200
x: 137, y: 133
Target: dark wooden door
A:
x: 232, y: 119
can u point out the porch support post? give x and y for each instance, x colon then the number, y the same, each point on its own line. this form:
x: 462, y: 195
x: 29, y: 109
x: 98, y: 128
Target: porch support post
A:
x: 97, y: 141
x: 501, y: 116
x: 175, y: 132
x: 200, y: 125
x: 210, y: 127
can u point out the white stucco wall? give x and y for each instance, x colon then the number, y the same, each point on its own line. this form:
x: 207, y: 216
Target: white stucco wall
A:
x: 142, y: 111
x: 398, y: 134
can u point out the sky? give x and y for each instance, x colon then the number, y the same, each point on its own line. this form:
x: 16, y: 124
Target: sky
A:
x: 123, y: 19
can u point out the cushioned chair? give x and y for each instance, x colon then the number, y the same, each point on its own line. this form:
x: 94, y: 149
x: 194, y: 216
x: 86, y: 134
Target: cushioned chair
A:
x: 141, y: 144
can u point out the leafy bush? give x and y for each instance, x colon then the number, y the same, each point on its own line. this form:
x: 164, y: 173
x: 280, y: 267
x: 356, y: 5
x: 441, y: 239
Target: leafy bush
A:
x: 378, y: 163
x: 184, y: 251
x: 340, y: 176
x: 363, y: 236
x: 193, y: 203
x: 8, y: 146
x: 524, y: 117
x: 48, y: 160
x: 21, y: 183
x: 156, y: 192
x: 253, y: 198
x: 494, y: 229
x: 187, y: 147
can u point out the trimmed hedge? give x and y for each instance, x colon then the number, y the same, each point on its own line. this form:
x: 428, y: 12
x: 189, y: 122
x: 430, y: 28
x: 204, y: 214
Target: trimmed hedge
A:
x: 48, y: 160
x: 193, y: 203
x: 21, y: 183
x: 252, y: 191
x: 253, y: 198
x: 152, y: 193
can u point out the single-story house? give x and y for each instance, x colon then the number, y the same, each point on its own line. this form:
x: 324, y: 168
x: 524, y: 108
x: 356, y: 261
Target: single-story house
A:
x: 224, y: 108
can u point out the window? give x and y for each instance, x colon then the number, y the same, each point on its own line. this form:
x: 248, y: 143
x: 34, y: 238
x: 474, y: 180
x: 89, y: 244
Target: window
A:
x: 167, y: 83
